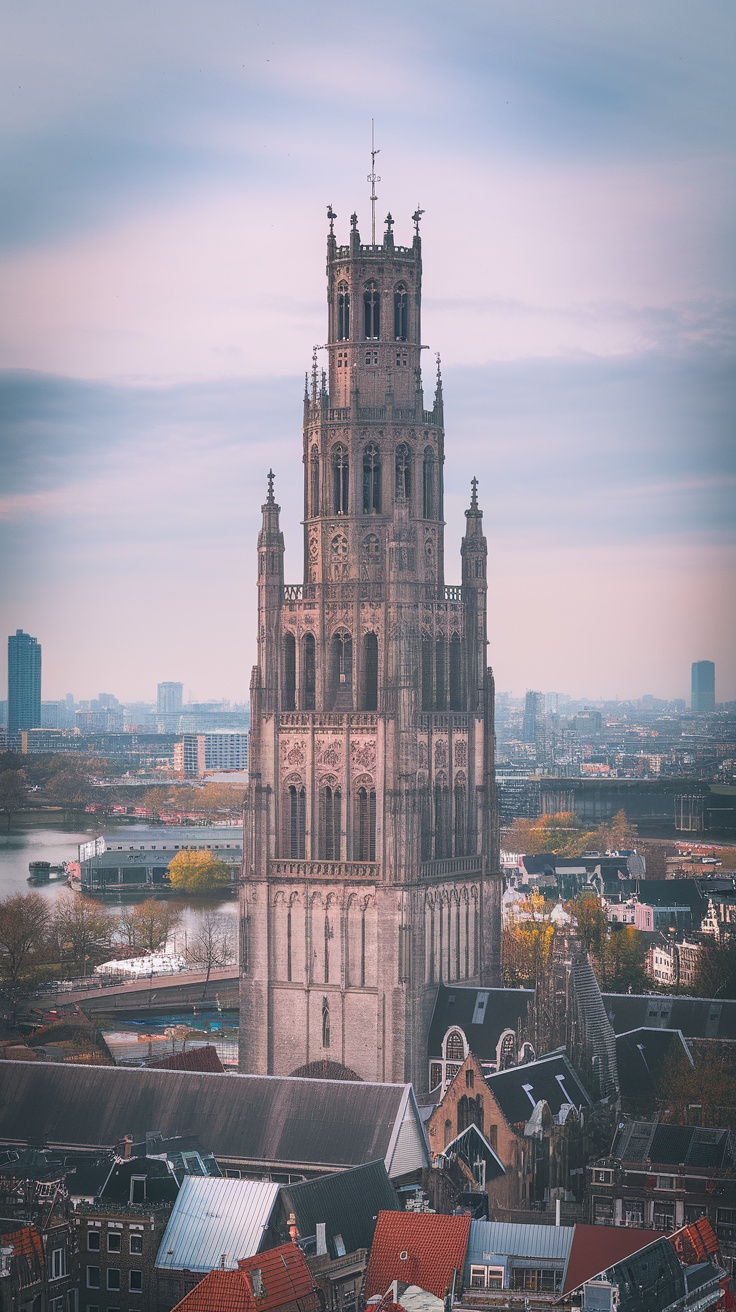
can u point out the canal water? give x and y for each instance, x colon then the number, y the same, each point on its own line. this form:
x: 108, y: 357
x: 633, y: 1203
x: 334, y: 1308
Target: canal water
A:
x: 137, y: 1039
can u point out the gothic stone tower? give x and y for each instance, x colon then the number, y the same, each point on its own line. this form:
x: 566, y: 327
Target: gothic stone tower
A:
x: 371, y: 846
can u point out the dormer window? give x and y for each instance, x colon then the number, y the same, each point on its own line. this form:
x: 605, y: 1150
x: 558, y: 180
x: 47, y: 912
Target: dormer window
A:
x: 372, y: 307
x: 455, y: 1048
x: 343, y: 312
x: 401, y: 313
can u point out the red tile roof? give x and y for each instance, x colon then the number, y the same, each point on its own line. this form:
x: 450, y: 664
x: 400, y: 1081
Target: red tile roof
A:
x: 25, y: 1243
x: 196, y: 1059
x: 597, y: 1247
x: 417, y: 1248
x: 284, y: 1278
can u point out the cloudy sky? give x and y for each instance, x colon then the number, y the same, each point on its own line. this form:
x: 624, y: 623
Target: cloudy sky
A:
x: 166, y: 169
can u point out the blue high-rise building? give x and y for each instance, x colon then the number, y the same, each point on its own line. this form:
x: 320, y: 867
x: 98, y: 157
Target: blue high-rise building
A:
x: 703, y: 686
x: 24, y: 682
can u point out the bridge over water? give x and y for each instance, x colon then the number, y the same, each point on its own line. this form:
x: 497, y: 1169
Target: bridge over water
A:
x: 158, y: 992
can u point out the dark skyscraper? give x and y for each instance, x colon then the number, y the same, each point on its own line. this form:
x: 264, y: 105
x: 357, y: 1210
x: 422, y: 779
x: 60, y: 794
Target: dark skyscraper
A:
x: 24, y: 682
x: 703, y: 696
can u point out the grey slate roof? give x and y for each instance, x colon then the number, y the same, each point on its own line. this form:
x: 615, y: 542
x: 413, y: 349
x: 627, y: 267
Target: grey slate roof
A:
x: 481, y: 1024
x: 641, y: 1056
x: 698, y: 1018
x: 673, y: 1145
x: 347, y: 1202
x: 519, y: 1089
x: 215, y: 1222
x: 244, y: 1119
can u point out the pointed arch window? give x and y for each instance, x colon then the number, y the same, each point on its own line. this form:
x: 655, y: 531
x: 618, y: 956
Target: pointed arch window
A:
x: 314, y: 481
x: 371, y: 480
x: 341, y: 673
x: 289, y: 685
x: 340, y: 471
x: 309, y: 672
x: 440, y: 694
x: 372, y: 309
x: 403, y: 472
x: 401, y: 313
x: 330, y: 823
x: 425, y: 823
x: 328, y: 936
x: 288, y: 945
x: 456, y: 674
x: 370, y: 672
x: 455, y: 1048
x: 325, y: 1023
x: 461, y: 821
x: 427, y: 671
x: 442, y: 836
x: 428, y: 477
x: 365, y: 825
x: 296, y: 822
x: 343, y: 312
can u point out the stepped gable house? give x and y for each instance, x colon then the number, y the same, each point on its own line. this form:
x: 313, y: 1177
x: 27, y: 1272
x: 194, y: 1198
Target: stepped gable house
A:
x: 371, y: 846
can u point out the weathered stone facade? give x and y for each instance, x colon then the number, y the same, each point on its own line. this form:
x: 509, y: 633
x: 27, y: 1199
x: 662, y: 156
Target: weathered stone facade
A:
x: 371, y: 847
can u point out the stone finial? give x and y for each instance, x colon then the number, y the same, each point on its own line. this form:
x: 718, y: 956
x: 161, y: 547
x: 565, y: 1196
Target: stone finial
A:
x: 331, y: 216
x: 270, y: 498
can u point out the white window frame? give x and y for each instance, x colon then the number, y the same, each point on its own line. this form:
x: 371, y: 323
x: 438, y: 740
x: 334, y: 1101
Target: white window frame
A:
x: 59, y: 1264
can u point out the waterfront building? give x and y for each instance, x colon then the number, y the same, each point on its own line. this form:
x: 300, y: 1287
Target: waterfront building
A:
x: 371, y: 842
x: 136, y: 859
x: 24, y: 682
x: 198, y: 754
x: 703, y: 686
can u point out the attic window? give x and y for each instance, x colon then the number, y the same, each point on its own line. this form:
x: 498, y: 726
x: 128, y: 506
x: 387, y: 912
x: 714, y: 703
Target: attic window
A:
x: 138, y: 1189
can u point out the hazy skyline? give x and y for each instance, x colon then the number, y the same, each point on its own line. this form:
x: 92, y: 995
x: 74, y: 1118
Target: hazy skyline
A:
x: 166, y: 173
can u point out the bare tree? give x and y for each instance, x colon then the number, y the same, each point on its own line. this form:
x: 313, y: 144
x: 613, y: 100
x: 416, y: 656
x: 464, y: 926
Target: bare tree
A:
x: 24, y: 926
x: 147, y: 926
x: 83, y: 926
x: 212, y: 945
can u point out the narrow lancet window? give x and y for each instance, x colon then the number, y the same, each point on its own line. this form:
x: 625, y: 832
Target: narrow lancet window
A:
x: 403, y: 472
x: 343, y: 312
x: 325, y: 1023
x: 296, y: 822
x: 371, y: 480
x: 289, y: 685
x: 314, y: 482
x: 340, y: 471
x: 331, y: 807
x: 456, y: 674
x: 370, y: 672
x: 401, y: 313
x: 342, y: 670
x: 308, y: 673
x: 365, y: 825
x: 372, y: 306
x: 428, y: 484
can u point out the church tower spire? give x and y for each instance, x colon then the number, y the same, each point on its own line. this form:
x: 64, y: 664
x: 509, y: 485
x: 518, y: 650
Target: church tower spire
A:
x: 371, y: 853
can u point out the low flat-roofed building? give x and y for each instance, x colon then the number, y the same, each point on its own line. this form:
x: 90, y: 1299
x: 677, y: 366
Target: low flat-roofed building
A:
x: 136, y: 859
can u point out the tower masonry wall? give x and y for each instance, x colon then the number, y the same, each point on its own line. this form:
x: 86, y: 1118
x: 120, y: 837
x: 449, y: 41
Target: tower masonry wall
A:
x: 371, y: 867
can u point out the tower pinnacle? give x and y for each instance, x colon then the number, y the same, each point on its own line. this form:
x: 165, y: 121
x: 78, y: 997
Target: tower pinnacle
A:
x: 373, y: 178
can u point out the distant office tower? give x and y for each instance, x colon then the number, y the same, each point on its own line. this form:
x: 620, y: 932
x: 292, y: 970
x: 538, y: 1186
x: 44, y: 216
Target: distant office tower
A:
x: 533, y: 712
x: 24, y: 682
x: 703, y: 686
x: 170, y: 698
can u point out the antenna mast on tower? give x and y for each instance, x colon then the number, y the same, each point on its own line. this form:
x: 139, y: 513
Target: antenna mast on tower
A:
x: 373, y: 178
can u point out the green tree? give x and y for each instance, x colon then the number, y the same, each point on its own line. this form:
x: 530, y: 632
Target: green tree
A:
x: 83, y: 928
x: 198, y: 872
x: 212, y: 945
x: 146, y: 926
x: 622, y: 962
x: 12, y: 792
x: 24, y: 927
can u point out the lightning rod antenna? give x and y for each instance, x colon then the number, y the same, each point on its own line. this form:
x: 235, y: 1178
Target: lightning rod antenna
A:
x: 373, y: 178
